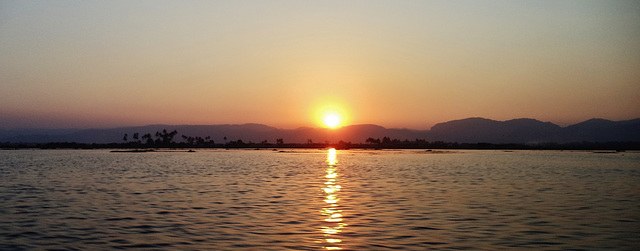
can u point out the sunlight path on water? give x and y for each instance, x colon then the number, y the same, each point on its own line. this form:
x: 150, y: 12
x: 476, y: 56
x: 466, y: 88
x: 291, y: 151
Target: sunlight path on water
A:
x: 333, y: 224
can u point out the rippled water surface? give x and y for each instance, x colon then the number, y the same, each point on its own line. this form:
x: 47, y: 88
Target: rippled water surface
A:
x: 319, y: 200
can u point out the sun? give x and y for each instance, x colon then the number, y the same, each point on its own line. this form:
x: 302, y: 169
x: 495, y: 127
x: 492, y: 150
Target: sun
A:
x: 331, y: 114
x: 331, y: 120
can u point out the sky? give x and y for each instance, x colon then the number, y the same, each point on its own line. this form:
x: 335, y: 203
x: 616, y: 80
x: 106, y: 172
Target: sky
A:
x: 398, y: 64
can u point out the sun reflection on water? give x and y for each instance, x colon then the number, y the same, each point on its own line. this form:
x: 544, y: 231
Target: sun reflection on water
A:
x: 333, y: 222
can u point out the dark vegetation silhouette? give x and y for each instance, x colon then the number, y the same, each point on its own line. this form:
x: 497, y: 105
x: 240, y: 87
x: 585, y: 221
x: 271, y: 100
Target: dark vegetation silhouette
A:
x: 166, y: 139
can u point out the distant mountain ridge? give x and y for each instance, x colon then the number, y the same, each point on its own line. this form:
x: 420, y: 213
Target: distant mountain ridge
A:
x: 468, y: 130
x: 474, y: 130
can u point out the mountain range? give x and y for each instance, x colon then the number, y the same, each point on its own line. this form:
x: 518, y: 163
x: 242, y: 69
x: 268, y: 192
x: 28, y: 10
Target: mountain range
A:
x: 469, y: 130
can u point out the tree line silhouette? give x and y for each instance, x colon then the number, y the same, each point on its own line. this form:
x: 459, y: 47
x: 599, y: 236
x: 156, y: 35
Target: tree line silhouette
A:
x: 167, y: 139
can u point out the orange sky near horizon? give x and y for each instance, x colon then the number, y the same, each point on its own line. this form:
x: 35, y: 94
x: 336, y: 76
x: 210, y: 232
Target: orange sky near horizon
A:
x: 398, y: 64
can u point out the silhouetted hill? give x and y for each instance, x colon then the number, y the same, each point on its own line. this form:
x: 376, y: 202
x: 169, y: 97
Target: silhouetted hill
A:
x: 602, y: 130
x: 474, y: 130
x: 469, y: 130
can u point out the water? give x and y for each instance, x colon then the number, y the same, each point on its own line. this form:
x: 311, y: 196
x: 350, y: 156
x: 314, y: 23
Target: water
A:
x: 319, y: 200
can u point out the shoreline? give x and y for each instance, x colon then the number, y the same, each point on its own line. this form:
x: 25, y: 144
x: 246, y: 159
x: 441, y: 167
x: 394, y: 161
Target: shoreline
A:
x: 599, y: 147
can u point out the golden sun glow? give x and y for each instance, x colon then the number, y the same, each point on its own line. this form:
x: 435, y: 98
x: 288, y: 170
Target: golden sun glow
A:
x: 330, y: 113
x: 331, y: 120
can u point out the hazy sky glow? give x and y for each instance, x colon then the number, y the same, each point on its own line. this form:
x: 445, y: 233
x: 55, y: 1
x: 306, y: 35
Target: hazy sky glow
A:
x: 393, y: 63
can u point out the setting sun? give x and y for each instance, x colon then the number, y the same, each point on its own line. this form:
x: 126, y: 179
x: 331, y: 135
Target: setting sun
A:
x: 331, y: 120
x: 331, y: 114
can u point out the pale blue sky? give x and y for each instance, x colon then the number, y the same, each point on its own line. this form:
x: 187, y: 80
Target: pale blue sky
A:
x: 393, y: 63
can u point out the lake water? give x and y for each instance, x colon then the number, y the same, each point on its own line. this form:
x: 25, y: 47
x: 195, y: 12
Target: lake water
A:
x: 319, y: 200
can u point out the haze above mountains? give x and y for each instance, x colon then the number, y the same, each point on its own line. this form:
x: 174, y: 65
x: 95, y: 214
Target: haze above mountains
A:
x: 469, y: 130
